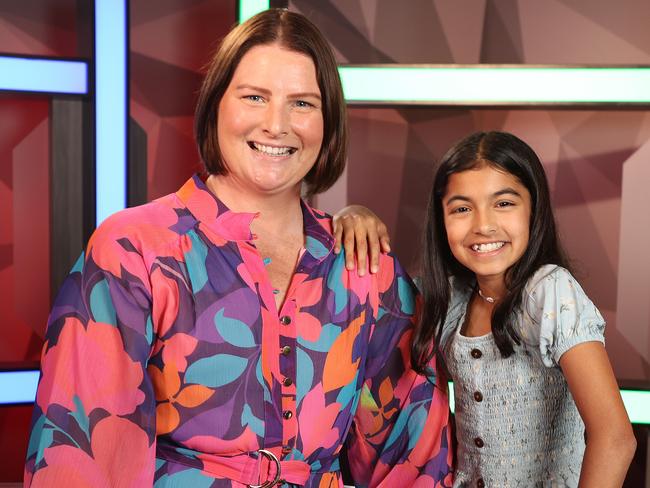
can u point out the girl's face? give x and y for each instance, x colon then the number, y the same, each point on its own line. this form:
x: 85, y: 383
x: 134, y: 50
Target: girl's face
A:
x: 487, y: 218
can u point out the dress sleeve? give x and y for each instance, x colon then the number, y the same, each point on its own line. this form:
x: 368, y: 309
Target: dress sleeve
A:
x: 563, y: 314
x: 400, y: 436
x: 94, y: 418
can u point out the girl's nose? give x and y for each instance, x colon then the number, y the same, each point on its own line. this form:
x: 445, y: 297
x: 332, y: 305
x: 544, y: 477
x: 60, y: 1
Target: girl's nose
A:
x: 276, y: 122
x: 485, y: 223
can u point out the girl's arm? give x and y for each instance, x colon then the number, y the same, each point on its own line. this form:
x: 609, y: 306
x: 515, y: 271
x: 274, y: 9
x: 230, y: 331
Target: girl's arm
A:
x: 610, y: 440
x: 359, y: 230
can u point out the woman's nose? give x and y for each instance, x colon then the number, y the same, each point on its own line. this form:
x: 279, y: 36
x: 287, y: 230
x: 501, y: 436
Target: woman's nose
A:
x: 276, y: 123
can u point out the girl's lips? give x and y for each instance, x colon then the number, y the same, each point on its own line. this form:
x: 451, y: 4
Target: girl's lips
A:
x: 487, y: 254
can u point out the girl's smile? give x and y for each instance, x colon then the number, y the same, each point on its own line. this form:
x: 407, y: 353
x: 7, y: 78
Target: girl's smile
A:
x: 487, y: 219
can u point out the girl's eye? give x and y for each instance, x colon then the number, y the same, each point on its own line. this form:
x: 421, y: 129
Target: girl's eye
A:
x: 460, y: 210
x: 253, y: 98
x: 504, y: 204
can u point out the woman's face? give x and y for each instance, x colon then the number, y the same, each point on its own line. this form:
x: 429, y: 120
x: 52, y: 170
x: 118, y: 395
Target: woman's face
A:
x: 270, y: 122
x: 487, y: 219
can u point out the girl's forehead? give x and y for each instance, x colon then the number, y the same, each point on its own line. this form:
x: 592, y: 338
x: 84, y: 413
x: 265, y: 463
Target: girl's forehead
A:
x: 482, y: 182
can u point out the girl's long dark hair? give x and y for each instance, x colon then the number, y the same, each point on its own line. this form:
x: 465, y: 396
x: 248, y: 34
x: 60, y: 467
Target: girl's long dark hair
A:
x: 504, y: 152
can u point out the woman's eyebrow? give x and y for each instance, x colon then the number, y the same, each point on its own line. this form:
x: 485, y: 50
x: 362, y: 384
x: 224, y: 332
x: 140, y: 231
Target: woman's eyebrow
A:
x: 246, y: 86
x: 266, y: 91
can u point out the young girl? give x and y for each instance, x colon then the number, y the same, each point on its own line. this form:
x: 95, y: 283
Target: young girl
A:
x: 516, y: 332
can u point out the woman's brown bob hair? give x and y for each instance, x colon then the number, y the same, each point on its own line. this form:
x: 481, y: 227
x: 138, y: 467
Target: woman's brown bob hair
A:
x: 295, y: 33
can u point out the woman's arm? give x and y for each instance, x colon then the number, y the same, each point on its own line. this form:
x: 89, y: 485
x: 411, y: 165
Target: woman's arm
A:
x: 610, y: 440
x: 359, y: 230
x: 94, y: 416
x: 401, y: 435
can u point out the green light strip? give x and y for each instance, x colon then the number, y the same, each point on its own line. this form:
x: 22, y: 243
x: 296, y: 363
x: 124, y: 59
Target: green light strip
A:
x: 479, y: 85
x: 248, y: 8
x: 637, y: 404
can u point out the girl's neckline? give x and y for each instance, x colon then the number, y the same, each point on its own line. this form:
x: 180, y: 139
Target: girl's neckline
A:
x: 461, y: 322
x: 484, y: 336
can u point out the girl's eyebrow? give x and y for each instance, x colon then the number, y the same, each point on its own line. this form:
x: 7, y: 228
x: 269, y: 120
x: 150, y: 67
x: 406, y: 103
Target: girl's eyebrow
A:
x: 504, y: 191
x: 507, y: 191
x: 461, y: 198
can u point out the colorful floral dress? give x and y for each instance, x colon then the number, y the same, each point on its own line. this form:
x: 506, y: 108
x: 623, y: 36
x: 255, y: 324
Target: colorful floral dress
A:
x: 167, y: 363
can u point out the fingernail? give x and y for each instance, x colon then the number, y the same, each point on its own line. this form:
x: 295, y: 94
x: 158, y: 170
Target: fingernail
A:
x: 374, y: 269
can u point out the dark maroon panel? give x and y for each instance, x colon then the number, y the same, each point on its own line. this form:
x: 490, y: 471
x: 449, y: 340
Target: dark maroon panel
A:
x: 14, y: 428
x: 170, y: 42
x: 24, y: 226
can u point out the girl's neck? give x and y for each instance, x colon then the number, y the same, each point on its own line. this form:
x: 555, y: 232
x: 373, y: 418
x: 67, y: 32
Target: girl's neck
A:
x: 491, y: 289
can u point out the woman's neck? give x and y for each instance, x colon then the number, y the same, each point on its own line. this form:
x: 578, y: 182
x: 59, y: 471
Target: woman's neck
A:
x: 277, y: 212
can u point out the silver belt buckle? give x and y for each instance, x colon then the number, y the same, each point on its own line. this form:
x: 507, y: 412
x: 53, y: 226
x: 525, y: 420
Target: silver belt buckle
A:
x: 271, y: 457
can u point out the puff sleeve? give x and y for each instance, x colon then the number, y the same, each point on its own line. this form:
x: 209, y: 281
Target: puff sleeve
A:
x: 561, y: 313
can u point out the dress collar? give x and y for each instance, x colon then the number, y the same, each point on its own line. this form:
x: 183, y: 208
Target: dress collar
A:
x: 235, y: 226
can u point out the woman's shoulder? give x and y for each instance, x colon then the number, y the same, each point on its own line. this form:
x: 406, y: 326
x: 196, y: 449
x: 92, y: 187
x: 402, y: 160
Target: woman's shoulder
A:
x: 139, y: 227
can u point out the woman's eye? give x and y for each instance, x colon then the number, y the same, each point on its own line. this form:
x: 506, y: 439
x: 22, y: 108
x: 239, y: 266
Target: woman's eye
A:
x: 504, y: 204
x: 303, y: 104
x: 253, y: 98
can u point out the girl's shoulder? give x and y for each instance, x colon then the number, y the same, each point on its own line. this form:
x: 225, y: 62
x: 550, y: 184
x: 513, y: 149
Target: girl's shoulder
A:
x: 558, y: 314
x: 552, y: 282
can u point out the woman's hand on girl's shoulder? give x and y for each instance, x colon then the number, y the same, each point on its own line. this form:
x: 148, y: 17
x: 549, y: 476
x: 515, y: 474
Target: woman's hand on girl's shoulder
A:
x: 360, y: 232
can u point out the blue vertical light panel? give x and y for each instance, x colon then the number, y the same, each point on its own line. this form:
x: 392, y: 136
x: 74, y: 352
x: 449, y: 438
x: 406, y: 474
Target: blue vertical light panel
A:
x: 111, y: 106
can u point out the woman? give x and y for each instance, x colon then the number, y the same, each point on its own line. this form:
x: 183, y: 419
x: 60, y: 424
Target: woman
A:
x: 212, y: 337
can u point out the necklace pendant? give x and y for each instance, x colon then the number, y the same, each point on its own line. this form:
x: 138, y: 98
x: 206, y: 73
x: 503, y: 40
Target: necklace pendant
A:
x: 485, y: 297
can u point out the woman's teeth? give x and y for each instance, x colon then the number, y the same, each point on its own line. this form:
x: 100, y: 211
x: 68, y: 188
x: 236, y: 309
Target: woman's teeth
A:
x: 492, y: 246
x: 272, y: 150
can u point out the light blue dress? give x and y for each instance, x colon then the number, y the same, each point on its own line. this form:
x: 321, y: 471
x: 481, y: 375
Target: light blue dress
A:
x: 517, y: 423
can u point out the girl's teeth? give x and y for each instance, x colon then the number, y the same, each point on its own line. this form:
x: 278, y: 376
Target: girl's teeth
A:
x: 492, y: 246
x: 272, y: 151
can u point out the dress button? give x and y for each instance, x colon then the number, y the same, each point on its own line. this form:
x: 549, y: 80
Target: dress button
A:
x: 480, y: 483
x: 287, y: 382
x: 476, y: 353
x: 479, y: 442
x: 285, y: 351
x: 478, y: 396
x: 287, y: 414
x: 285, y: 320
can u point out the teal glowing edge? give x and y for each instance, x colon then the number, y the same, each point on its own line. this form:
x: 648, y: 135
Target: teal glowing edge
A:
x: 248, y: 8
x: 488, y: 85
x: 20, y: 387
